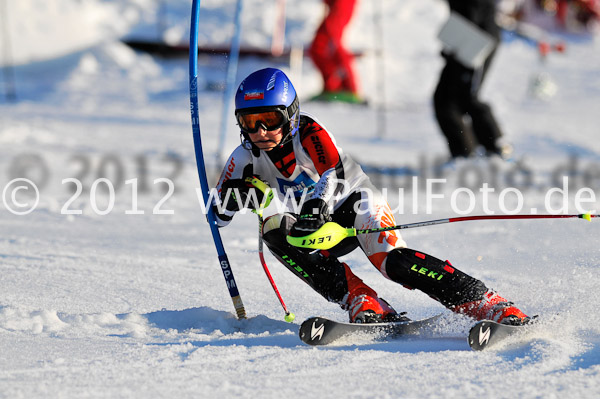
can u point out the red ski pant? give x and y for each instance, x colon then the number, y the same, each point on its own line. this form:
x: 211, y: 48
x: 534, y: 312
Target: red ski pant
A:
x: 328, y: 52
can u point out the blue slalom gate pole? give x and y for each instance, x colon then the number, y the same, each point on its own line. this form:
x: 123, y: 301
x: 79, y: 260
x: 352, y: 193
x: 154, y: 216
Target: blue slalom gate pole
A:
x: 193, y: 73
x: 232, y: 66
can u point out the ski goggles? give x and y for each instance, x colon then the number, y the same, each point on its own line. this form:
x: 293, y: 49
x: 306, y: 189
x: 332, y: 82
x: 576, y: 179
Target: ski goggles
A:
x: 268, y: 120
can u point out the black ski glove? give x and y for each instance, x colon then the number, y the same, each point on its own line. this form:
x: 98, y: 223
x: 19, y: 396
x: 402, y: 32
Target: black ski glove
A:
x: 314, y: 214
x: 245, y: 188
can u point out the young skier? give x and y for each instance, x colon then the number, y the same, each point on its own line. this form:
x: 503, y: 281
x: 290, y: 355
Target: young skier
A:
x: 293, y: 153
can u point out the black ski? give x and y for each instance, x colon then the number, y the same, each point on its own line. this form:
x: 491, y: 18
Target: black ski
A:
x: 487, y: 333
x: 322, y: 331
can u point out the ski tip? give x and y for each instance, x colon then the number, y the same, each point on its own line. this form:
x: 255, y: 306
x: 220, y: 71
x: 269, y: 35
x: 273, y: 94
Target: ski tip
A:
x: 312, y: 331
x: 479, y: 335
x: 486, y: 333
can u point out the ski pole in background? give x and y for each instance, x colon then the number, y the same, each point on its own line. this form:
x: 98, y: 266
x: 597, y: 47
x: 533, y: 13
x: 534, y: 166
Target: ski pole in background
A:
x: 161, y: 27
x: 278, y: 39
x: 330, y: 234
x: 232, y: 65
x: 380, y: 114
x: 278, y: 45
x: 267, y: 197
x: 161, y: 22
x: 8, y: 70
x: 542, y: 85
x: 193, y: 74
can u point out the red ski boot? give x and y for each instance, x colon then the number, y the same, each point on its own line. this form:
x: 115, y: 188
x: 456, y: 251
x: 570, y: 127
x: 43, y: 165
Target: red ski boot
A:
x: 493, y: 307
x: 363, y: 304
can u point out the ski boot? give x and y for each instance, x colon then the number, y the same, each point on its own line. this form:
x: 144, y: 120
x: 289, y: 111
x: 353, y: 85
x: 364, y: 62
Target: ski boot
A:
x: 370, y: 309
x: 493, y: 307
x: 363, y: 304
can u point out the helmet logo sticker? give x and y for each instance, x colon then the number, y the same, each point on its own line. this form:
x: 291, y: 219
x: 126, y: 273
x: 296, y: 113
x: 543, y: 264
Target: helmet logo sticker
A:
x: 255, y: 95
x: 285, y: 91
x: 271, y: 83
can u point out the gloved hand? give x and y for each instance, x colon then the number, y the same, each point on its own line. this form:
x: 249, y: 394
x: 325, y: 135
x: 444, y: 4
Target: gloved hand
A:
x: 245, y: 188
x: 314, y: 214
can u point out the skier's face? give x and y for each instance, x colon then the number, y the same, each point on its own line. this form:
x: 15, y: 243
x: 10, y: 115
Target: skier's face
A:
x: 266, y: 140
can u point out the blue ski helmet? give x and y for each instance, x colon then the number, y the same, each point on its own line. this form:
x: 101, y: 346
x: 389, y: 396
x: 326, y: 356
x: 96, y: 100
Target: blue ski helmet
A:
x: 266, y: 90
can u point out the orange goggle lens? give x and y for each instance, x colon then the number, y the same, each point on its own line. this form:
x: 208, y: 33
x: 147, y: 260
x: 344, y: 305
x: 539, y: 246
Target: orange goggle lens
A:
x: 270, y: 120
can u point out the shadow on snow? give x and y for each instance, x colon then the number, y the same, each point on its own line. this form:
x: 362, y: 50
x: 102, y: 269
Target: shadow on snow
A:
x: 263, y: 331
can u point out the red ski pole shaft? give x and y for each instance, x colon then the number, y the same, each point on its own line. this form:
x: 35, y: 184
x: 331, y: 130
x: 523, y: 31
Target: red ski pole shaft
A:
x: 268, y: 273
x: 289, y: 317
x: 585, y: 216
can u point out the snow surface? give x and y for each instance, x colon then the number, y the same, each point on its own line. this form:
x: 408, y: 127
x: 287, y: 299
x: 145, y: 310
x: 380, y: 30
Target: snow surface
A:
x: 134, y: 305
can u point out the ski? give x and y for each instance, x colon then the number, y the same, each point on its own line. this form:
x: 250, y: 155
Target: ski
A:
x: 323, y: 331
x: 488, y: 333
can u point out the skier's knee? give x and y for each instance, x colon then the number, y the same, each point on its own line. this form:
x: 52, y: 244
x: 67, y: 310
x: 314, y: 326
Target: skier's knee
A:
x: 275, y: 229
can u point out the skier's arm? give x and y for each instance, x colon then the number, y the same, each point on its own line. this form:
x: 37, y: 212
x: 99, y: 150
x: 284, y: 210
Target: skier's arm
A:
x: 327, y: 160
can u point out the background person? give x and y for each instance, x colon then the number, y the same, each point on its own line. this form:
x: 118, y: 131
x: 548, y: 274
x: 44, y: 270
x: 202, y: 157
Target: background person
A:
x: 329, y: 55
x: 465, y: 120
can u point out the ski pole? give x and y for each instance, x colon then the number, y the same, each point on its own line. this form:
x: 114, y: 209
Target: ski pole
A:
x: 267, y: 197
x: 232, y: 67
x: 222, y: 255
x: 289, y: 316
x: 330, y: 234
x: 278, y: 38
x: 380, y: 106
